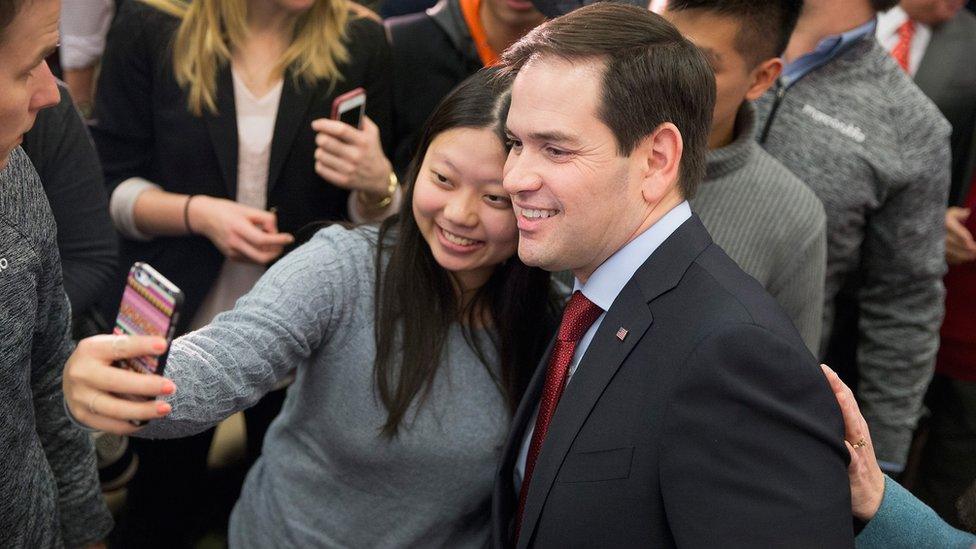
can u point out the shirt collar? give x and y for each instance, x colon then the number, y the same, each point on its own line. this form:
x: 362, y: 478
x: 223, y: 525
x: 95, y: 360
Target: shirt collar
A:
x: 828, y: 48
x: 889, y: 21
x: 609, y: 279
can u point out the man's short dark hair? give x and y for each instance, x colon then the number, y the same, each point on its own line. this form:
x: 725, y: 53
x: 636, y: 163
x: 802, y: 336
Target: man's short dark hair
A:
x: 883, y: 5
x: 766, y: 25
x: 8, y: 11
x: 652, y: 75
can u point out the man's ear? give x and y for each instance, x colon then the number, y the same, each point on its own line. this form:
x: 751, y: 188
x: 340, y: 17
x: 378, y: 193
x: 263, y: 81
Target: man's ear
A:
x: 763, y: 77
x: 661, y: 162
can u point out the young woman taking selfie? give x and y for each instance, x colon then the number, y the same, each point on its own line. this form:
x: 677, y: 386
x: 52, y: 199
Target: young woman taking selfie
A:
x: 412, y: 343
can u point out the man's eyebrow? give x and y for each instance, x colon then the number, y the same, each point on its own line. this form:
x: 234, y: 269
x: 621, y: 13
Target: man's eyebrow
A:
x: 48, y: 51
x: 554, y: 136
x: 551, y: 136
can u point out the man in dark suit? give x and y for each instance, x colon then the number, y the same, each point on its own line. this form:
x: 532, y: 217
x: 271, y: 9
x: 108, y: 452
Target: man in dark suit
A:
x: 678, y: 405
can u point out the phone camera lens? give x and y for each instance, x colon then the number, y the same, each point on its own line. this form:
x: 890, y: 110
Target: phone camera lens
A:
x: 142, y: 278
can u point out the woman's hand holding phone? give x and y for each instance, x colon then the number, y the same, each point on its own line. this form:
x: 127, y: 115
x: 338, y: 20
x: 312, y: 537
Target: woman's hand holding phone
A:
x: 240, y: 232
x: 351, y: 158
x: 92, y: 385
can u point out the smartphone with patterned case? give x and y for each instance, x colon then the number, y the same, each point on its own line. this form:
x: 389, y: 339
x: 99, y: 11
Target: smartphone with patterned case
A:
x: 150, y: 306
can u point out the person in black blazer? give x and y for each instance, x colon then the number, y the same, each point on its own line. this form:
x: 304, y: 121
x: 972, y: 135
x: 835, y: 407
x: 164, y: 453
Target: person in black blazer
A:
x: 685, y: 409
x: 945, y: 75
x: 171, y: 148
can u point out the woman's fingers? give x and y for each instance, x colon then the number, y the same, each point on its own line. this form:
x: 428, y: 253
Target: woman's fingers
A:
x: 109, y: 425
x: 110, y: 379
x: 109, y: 348
x: 116, y: 407
x: 331, y: 175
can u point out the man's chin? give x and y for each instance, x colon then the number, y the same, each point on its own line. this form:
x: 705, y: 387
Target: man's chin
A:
x: 535, y: 256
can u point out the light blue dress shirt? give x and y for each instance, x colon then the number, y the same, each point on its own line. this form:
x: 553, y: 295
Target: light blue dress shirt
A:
x: 828, y: 48
x: 602, y: 288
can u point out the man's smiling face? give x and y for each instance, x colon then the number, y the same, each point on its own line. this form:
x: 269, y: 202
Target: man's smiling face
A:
x: 576, y: 198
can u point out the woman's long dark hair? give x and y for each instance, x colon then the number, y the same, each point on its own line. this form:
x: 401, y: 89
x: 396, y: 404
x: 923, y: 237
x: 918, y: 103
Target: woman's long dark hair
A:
x: 416, y: 300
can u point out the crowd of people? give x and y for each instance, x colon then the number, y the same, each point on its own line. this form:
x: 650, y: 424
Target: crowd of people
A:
x: 570, y: 281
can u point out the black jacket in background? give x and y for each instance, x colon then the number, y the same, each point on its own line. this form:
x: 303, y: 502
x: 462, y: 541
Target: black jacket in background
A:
x: 947, y: 77
x: 144, y: 129
x: 63, y: 154
x: 432, y: 53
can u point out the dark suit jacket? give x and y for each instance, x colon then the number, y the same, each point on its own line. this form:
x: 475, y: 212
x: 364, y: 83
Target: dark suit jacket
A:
x: 144, y: 129
x: 947, y: 77
x: 709, y: 425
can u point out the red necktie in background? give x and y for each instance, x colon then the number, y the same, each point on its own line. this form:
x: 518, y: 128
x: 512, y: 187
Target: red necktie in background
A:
x: 579, y: 315
x: 902, y: 51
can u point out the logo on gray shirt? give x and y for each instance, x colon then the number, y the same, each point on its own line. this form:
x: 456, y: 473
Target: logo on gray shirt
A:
x: 850, y: 130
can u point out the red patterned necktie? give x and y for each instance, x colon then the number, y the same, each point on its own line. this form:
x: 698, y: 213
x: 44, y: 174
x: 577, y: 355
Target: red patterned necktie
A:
x: 902, y: 51
x: 579, y: 315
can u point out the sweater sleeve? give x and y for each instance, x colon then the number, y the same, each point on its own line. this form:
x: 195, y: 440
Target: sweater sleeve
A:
x: 799, y: 285
x: 901, y: 297
x: 63, y: 153
x: 303, y: 300
x: 902, y: 521
x: 69, y: 451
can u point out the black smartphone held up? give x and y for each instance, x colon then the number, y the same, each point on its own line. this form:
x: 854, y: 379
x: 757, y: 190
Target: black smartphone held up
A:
x: 350, y: 108
x: 150, y: 306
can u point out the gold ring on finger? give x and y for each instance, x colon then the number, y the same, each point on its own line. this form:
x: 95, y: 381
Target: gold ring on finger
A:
x: 860, y: 443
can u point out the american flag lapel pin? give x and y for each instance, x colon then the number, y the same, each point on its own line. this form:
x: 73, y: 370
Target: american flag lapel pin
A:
x: 622, y: 333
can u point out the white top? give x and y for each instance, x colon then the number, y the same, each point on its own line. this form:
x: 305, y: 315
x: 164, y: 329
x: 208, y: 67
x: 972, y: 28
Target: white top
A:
x: 255, y: 127
x: 602, y: 288
x: 84, y: 25
x: 887, y: 33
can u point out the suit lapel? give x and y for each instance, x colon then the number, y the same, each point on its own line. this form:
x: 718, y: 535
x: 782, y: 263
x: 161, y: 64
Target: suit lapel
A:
x: 291, y: 115
x: 505, y: 496
x: 606, y: 353
x: 223, y: 130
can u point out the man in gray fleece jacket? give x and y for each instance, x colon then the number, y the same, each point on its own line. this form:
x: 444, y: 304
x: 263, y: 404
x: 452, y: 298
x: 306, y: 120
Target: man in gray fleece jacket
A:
x: 765, y: 218
x: 49, y: 493
x: 847, y: 120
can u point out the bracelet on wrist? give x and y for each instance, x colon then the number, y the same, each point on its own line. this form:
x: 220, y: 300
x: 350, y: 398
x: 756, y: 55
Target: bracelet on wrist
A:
x: 186, y: 215
x: 391, y: 189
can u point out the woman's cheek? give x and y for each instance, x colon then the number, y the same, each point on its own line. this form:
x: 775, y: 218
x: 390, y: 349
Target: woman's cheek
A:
x: 501, y: 226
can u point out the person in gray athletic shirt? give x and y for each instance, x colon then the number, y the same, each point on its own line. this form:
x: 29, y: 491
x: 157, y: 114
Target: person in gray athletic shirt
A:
x: 847, y: 121
x: 49, y: 493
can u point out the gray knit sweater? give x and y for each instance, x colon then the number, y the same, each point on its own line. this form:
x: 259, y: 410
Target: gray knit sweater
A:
x: 49, y: 493
x: 326, y: 478
x: 769, y: 222
x: 875, y: 150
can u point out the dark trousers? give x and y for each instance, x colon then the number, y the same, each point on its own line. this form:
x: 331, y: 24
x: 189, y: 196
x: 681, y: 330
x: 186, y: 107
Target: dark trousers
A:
x: 173, y: 499
x: 948, y: 465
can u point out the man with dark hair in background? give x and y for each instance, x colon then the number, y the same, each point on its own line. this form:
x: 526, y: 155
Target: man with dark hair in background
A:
x: 849, y: 123
x: 49, y: 493
x: 934, y: 41
x: 433, y: 51
x: 765, y: 218
x: 678, y: 404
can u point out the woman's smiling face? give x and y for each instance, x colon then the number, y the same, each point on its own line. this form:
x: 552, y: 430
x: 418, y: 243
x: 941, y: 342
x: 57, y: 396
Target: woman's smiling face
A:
x: 459, y: 204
